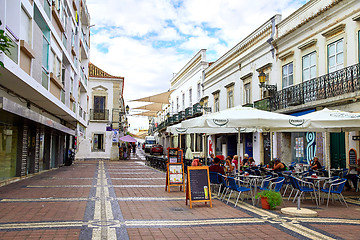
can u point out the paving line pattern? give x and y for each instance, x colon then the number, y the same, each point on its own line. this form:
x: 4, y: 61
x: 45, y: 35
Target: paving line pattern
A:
x: 103, y: 218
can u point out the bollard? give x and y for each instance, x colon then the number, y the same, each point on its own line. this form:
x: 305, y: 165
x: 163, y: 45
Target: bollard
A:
x: 298, y: 203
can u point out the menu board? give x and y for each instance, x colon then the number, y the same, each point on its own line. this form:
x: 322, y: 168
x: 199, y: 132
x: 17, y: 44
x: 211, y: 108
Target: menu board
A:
x: 352, y: 157
x: 174, y: 155
x: 198, y: 185
x: 175, y: 173
x: 175, y: 176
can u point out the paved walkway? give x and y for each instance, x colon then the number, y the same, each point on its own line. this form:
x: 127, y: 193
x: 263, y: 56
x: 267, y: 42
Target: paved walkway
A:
x: 127, y: 200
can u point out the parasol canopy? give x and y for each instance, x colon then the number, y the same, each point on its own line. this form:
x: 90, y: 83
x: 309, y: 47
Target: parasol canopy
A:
x: 333, y: 119
x: 128, y: 138
x: 247, y: 117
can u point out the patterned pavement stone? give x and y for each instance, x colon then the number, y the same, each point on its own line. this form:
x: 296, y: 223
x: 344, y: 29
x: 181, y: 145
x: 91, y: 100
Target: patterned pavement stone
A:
x: 127, y: 200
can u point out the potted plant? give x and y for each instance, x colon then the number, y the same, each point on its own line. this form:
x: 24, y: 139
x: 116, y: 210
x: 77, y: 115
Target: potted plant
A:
x: 269, y: 199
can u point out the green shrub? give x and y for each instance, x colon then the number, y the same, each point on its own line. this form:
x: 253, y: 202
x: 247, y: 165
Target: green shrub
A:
x: 274, y: 198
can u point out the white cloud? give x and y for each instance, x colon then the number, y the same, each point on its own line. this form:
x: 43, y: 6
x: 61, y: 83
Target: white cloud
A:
x: 146, y: 41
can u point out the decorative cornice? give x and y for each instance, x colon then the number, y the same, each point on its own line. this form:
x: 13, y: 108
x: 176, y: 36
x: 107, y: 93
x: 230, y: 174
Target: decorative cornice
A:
x: 307, y: 44
x: 305, y: 21
x: 187, y: 68
x: 215, y: 92
x: 95, y: 71
x: 252, y: 39
x: 263, y: 67
x: 334, y: 30
x: 246, y: 76
x: 229, y: 85
x: 285, y: 55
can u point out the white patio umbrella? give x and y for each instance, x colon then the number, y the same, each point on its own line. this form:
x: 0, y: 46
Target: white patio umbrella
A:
x: 247, y: 117
x: 177, y: 129
x: 329, y: 120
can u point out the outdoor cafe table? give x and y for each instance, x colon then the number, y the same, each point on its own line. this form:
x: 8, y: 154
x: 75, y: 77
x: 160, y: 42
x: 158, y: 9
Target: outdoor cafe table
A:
x: 318, y: 180
x: 252, y: 179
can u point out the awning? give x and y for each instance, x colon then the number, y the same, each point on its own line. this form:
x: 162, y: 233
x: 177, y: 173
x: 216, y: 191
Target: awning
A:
x: 15, y: 108
x: 152, y: 107
x: 158, y: 98
x: 148, y: 113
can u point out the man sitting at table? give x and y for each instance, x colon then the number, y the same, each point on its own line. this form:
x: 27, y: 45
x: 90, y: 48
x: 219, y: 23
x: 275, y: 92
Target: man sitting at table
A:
x: 316, y: 164
x: 352, y: 176
x: 216, y: 167
x: 278, y: 165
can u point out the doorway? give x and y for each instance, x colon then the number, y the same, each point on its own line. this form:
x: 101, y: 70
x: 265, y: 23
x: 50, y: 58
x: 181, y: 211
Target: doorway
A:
x: 337, y: 150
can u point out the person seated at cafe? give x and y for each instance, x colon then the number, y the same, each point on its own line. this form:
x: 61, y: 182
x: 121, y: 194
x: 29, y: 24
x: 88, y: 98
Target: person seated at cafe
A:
x: 245, y: 160
x: 278, y: 165
x: 216, y: 167
x: 229, y: 166
x: 352, y: 176
x: 236, y: 161
x: 251, y: 162
x: 196, y: 162
x: 315, y: 165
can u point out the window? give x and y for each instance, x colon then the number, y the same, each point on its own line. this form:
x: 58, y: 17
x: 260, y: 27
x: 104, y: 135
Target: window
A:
x: 45, y: 53
x: 287, y: 75
x: 177, y: 104
x: 183, y: 100
x: 99, y: 103
x: 190, y: 97
x: 309, y: 66
x: 216, y: 102
x: 247, y: 94
x: 98, y: 142
x: 57, y: 67
x: 71, y: 85
x: 198, y: 92
x: 230, y: 97
x: 336, y: 56
x: 25, y: 27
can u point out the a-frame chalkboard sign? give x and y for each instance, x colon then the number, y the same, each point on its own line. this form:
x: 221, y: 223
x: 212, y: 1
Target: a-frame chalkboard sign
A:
x: 198, y: 185
x: 175, y: 169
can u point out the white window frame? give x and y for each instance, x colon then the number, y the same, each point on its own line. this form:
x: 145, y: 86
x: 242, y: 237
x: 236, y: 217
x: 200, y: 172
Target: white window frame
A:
x: 287, y: 77
x: 338, y: 52
x: 311, y: 68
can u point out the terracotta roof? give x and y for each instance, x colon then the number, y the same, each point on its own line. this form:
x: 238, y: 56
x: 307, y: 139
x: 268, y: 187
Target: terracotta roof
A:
x: 95, y: 71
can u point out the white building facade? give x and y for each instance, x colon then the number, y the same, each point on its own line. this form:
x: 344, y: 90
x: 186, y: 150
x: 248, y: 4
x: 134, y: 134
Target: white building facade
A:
x: 106, y: 113
x: 43, y: 84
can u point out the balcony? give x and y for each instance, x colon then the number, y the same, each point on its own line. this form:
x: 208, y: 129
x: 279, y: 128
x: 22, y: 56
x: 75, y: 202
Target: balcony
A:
x: 181, y: 115
x: 98, y: 115
x: 263, y: 104
x: 188, y: 112
x: 335, y: 84
x: 248, y: 105
x: 175, y: 118
x: 197, y: 109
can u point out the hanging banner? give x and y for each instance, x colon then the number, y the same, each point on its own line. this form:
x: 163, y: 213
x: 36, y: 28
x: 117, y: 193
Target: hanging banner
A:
x: 210, y: 146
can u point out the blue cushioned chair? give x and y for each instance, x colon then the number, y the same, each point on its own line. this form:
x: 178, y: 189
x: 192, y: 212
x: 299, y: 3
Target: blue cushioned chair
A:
x: 234, y: 187
x: 336, y: 187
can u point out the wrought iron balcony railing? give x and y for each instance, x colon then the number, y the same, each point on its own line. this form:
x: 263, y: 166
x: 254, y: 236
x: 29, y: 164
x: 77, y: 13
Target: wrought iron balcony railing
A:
x: 330, y: 85
x: 96, y: 114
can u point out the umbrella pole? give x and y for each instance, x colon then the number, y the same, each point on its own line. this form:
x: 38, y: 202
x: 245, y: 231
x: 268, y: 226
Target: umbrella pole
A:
x: 205, y: 149
x: 327, y: 158
x: 238, y: 150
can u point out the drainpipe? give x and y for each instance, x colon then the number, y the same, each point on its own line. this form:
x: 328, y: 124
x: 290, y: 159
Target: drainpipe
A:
x: 272, y: 49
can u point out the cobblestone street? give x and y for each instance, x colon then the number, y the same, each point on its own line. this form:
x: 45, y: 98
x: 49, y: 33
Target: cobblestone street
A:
x: 127, y: 200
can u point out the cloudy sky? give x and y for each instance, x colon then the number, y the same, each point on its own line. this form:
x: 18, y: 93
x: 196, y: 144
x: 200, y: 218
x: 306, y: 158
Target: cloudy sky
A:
x: 146, y: 41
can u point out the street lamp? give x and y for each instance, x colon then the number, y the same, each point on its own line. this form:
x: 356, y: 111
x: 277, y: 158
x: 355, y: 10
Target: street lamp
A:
x: 262, y: 80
